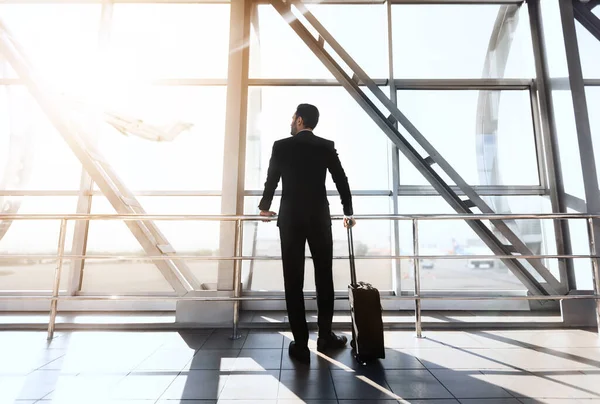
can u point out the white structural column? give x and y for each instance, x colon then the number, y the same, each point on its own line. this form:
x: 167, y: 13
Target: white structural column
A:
x: 232, y: 199
x: 86, y: 187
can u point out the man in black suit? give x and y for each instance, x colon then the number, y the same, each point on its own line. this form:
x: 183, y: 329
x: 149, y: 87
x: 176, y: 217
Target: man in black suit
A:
x: 302, y: 162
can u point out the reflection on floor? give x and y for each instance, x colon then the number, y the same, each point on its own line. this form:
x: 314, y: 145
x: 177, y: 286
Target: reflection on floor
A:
x: 259, y: 319
x: 494, y: 367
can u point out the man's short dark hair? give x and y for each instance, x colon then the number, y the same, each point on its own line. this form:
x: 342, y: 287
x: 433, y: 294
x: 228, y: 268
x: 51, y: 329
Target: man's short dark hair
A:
x: 309, y: 114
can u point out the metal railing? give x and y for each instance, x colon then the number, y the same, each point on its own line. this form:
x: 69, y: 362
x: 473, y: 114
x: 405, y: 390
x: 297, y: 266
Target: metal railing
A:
x: 238, y: 257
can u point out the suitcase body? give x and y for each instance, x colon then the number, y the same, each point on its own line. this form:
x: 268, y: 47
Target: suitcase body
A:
x: 367, y: 323
x: 366, y: 314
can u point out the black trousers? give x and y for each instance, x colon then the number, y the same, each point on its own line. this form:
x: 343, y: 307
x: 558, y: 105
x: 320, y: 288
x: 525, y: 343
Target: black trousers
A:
x: 293, y: 241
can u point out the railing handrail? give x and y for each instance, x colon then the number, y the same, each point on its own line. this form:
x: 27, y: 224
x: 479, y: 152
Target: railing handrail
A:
x: 474, y: 216
x: 239, y: 257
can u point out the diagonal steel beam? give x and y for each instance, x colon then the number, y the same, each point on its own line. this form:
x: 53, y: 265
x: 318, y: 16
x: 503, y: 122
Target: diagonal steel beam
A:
x: 146, y: 232
x: 421, y: 163
x: 589, y: 20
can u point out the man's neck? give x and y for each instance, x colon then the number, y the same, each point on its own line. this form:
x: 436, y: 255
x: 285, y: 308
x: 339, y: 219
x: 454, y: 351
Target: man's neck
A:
x: 303, y: 130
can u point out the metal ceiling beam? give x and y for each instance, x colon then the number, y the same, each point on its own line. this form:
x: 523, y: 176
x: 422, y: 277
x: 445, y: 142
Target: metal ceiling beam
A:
x: 423, y: 164
x: 146, y: 232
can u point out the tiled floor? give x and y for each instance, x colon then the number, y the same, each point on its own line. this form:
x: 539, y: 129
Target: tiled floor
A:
x: 206, y: 367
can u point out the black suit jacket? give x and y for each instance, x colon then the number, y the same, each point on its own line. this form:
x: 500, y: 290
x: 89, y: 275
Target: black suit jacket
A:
x: 302, y: 161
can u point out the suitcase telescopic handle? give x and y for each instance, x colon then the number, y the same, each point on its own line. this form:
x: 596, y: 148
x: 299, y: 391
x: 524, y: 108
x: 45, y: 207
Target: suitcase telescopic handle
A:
x: 351, y: 256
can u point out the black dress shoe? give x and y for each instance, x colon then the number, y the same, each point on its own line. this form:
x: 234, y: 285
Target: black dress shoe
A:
x: 299, y: 353
x: 331, y: 342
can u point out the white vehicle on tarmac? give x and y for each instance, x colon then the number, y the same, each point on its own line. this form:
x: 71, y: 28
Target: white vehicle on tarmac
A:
x: 478, y: 263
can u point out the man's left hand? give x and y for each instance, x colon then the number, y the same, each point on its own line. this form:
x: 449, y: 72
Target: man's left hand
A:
x: 267, y: 213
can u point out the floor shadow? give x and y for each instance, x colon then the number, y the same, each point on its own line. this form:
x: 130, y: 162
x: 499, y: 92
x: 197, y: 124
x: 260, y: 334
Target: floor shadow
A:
x: 258, y: 367
x: 178, y: 368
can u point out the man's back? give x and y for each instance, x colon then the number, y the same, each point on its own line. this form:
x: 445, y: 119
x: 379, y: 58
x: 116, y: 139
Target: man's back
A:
x: 302, y: 162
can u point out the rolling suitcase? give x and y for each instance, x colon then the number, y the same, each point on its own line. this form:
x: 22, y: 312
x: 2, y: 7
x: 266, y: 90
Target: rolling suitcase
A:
x: 366, y: 313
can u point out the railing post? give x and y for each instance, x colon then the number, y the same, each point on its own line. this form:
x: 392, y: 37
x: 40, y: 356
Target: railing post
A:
x: 57, y: 273
x: 417, y: 276
x: 595, y: 270
x: 237, y: 278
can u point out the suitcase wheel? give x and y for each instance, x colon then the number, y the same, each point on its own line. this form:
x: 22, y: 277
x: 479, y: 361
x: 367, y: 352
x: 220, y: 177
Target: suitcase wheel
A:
x: 353, y: 344
x: 360, y: 359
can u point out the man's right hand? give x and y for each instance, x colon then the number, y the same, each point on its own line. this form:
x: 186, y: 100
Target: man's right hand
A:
x: 349, y: 222
x: 267, y: 213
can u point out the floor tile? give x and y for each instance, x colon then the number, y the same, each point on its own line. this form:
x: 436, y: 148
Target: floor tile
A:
x: 101, y: 360
x: 415, y: 384
x: 355, y: 386
x: 220, y: 340
x: 317, y: 361
x: 143, y: 385
x: 264, y: 340
x: 244, y: 402
x: 187, y: 402
x: 196, y: 385
x: 82, y: 388
x: 489, y: 401
x: 529, y: 359
x: 431, y: 339
x: 256, y: 385
x: 306, y: 384
x: 258, y: 359
x: 298, y: 401
x: 434, y: 401
x: 214, y: 359
x: 529, y: 339
x: 558, y: 401
x: 33, y: 386
x: 458, y: 358
x: 394, y: 359
x: 468, y: 384
x: 186, y: 340
x: 167, y: 359
x: 19, y: 362
x: 533, y: 385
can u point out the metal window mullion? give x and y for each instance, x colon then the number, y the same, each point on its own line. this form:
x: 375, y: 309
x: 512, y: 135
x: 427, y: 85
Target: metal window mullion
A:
x: 84, y: 202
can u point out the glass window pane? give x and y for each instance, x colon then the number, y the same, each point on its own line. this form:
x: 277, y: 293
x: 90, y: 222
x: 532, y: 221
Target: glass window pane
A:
x: 372, y: 237
x: 363, y: 148
x: 115, y: 238
x: 33, y: 154
x: 593, y: 102
x: 170, y: 40
x: 450, y: 121
x: 453, y: 237
x: 193, y: 160
x: 430, y: 41
x: 60, y: 39
x: 278, y: 52
x: 34, y: 274
x: 589, y: 51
